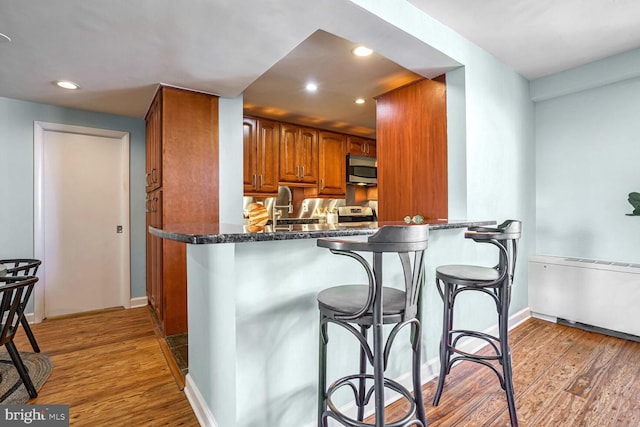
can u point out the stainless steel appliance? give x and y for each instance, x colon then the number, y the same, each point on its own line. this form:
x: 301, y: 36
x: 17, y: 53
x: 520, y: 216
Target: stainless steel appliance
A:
x: 362, y: 170
x: 354, y: 214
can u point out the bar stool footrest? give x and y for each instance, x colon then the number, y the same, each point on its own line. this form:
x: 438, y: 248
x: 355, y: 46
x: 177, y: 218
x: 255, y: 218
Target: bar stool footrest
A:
x: 352, y: 381
x: 489, y: 339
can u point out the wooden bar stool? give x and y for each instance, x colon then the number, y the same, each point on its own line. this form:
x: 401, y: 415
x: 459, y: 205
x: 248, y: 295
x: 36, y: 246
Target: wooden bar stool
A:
x: 492, y: 281
x: 360, y: 307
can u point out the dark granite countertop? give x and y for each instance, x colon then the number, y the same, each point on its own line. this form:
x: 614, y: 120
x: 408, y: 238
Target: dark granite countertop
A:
x: 237, y: 233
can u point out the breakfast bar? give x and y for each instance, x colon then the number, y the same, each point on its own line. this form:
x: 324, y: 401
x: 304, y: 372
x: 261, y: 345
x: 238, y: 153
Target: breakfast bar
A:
x: 253, y: 319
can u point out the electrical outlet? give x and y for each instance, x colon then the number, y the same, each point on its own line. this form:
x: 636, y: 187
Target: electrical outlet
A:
x: 305, y: 207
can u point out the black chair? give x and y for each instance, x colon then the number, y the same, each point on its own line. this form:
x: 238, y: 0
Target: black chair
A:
x: 23, y: 267
x: 370, y: 306
x: 14, y: 294
x: 496, y: 283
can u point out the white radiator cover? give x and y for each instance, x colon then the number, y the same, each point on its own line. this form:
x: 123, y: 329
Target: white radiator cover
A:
x: 598, y: 293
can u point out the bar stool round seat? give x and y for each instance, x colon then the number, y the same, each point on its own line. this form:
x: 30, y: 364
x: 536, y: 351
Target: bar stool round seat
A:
x: 360, y: 307
x: 496, y: 282
x: 347, y: 299
x: 468, y: 275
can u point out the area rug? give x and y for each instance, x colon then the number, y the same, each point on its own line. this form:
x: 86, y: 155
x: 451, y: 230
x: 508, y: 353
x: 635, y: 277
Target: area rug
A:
x: 12, y: 390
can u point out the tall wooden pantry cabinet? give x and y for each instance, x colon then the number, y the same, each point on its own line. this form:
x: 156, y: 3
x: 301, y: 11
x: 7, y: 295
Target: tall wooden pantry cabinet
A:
x: 411, y: 146
x: 182, y: 187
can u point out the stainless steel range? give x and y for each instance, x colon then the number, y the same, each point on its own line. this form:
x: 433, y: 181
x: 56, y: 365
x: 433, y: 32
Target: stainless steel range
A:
x: 353, y: 214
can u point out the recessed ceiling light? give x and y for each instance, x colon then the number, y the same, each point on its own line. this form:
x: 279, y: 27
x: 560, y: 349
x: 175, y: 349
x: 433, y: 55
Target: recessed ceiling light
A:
x: 362, y: 51
x: 311, y: 87
x: 66, y: 84
x: 4, y: 38
x: 359, y: 101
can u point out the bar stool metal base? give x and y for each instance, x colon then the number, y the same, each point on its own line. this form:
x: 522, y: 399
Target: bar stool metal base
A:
x: 359, y: 308
x: 452, y: 280
x: 450, y: 354
x: 333, y: 412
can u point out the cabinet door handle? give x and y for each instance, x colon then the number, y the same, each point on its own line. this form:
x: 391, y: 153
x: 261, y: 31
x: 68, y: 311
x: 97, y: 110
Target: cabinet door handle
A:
x: 302, y: 173
x: 321, y: 184
x: 253, y: 181
x: 259, y: 182
x: 296, y: 171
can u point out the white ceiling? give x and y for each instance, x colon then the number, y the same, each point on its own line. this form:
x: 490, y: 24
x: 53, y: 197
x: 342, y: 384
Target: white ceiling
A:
x: 327, y: 60
x: 119, y: 50
x: 542, y: 37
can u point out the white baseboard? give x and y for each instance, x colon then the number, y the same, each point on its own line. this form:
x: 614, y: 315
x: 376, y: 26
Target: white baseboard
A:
x: 134, y: 303
x: 198, y: 404
x: 138, y: 302
x: 547, y: 318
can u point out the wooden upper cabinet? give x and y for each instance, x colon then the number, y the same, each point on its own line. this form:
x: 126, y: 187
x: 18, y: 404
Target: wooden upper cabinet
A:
x: 261, y: 156
x: 332, y: 164
x: 412, y: 151
x: 190, y: 173
x: 298, y: 155
x: 268, y: 155
x: 361, y: 146
x: 249, y: 135
x: 154, y: 145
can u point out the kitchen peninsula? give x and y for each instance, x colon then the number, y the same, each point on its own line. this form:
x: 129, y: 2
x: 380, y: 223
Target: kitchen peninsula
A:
x: 253, y: 319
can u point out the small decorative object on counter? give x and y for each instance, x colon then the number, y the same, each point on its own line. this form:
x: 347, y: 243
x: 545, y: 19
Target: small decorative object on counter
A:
x: 416, y: 219
x: 258, y: 215
x: 332, y: 216
x: 321, y: 214
x: 634, y: 199
x: 255, y: 228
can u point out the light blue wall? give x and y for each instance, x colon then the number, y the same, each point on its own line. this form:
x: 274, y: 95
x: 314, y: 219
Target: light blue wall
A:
x: 16, y: 176
x: 253, y: 325
x: 490, y: 119
x: 587, y: 152
x: 231, y: 164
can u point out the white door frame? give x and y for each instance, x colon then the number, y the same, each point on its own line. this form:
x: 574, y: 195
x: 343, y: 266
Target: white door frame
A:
x: 39, y: 128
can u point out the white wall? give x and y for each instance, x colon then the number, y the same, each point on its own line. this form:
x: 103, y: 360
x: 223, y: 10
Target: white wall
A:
x: 587, y: 152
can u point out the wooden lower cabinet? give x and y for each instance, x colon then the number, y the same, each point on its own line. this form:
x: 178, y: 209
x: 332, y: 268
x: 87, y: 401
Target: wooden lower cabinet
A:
x: 154, y: 254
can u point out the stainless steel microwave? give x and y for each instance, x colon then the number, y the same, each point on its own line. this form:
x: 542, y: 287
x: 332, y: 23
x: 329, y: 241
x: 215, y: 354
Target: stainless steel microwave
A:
x: 362, y: 170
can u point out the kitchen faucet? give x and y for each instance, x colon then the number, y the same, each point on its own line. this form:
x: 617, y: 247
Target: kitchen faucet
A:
x: 284, y: 192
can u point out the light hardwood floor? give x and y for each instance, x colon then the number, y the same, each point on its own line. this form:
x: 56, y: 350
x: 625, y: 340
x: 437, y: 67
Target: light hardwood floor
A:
x: 563, y: 377
x: 110, y: 369
x: 108, y: 366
